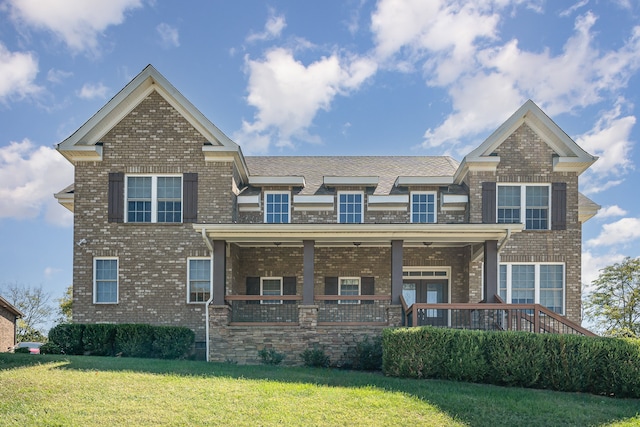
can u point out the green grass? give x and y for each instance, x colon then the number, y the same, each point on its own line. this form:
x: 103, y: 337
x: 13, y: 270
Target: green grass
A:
x: 85, y: 391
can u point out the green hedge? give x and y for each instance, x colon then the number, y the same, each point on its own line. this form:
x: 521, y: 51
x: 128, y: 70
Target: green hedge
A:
x: 605, y: 366
x: 128, y: 340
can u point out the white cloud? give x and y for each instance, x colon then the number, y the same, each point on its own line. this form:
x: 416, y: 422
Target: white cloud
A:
x: 18, y: 72
x: 272, y: 28
x: 288, y: 94
x: 620, y: 232
x: 30, y: 175
x: 611, y: 211
x: 50, y: 272
x: 91, y: 91
x: 169, y: 36
x: 592, y: 264
x: 57, y: 76
x: 78, y: 23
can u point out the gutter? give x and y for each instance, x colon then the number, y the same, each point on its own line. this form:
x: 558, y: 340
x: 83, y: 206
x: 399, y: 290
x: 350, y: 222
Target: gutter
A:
x: 210, y: 300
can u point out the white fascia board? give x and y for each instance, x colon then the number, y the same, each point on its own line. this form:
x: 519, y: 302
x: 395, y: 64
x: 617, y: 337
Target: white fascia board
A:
x: 313, y: 203
x: 293, y: 181
x: 83, y: 153
x: 572, y: 164
x: 454, y: 198
x: 249, y: 203
x: 332, y: 181
x: 66, y: 200
x: 384, y: 202
x: 403, y: 181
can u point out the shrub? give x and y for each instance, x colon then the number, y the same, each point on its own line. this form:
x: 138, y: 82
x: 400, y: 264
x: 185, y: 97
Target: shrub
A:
x: 50, y: 348
x: 172, y: 342
x: 315, y: 357
x: 368, y: 354
x: 68, y: 336
x: 134, y: 340
x: 21, y: 350
x: 271, y: 356
x: 99, y: 339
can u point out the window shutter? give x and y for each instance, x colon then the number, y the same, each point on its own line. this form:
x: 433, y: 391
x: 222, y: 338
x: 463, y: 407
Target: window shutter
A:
x: 331, y: 288
x: 190, y: 197
x: 367, y: 287
x: 488, y: 202
x: 116, y: 197
x: 559, y: 206
x: 289, y: 288
x: 253, y: 288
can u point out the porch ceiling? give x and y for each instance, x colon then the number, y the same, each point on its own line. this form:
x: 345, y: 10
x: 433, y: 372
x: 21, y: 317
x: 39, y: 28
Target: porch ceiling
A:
x: 358, y: 234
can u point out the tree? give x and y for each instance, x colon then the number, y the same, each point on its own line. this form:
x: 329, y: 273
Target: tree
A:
x: 614, y: 305
x: 34, y: 304
x: 66, y: 303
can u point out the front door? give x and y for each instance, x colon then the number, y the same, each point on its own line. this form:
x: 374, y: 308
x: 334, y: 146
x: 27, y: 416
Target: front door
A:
x: 431, y: 291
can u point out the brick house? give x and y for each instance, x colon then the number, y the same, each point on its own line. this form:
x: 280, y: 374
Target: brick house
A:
x: 173, y: 225
x: 9, y: 316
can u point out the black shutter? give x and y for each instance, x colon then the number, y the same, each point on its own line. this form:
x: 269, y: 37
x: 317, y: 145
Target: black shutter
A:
x: 367, y: 287
x: 559, y: 206
x: 253, y: 288
x: 190, y: 197
x: 331, y: 288
x: 116, y: 197
x: 488, y: 202
x: 289, y: 288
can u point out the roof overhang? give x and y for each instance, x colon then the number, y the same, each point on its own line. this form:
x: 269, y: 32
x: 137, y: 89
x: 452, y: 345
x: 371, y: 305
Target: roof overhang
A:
x: 404, y: 181
x: 335, y: 181
x: 10, y: 308
x: 292, y: 181
x: 421, y: 235
x: 66, y: 197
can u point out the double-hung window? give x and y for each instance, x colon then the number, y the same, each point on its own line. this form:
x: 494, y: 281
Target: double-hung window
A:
x: 105, y: 280
x: 199, y: 279
x: 423, y: 207
x: 276, y: 207
x: 533, y: 283
x: 154, y: 199
x: 270, y: 286
x: 350, y: 207
x: 526, y: 204
x: 349, y: 286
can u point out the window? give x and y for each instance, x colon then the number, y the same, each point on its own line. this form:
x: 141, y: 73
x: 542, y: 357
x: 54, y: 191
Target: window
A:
x: 271, y: 286
x: 105, y: 280
x: 276, y: 208
x: 526, y: 204
x: 199, y: 280
x: 350, y: 207
x: 349, y: 286
x: 154, y: 199
x: 533, y: 283
x: 423, y: 207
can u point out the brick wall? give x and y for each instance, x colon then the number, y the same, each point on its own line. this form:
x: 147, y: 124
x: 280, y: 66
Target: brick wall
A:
x: 7, y: 330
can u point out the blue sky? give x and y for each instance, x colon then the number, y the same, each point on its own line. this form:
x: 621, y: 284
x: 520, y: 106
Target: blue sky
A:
x: 333, y: 77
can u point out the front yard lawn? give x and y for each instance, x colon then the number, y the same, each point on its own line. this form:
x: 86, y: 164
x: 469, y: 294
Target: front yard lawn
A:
x: 87, y: 391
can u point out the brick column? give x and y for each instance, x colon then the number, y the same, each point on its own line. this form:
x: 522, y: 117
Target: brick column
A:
x: 308, y: 271
x: 308, y: 316
x: 396, y: 271
x: 490, y: 270
x: 394, y: 315
x: 219, y: 271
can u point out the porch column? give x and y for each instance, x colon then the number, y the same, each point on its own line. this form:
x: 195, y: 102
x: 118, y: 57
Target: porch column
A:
x: 219, y: 271
x: 490, y: 270
x: 308, y: 271
x: 396, y: 271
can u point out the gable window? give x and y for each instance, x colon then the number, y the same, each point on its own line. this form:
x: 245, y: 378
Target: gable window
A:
x: 350, y: 207
x: 271, y: 286
x: 154, y: 199
x: 525, y: 204
x: 105, y: 280
x: 349, y: 286
x: 199, y: 279
x: 533, y: 283
x: 423, y: 207
x: 276, y: 207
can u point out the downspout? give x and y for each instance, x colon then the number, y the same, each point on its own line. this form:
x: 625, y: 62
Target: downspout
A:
x: 504, y: 241
x: 206, y: 308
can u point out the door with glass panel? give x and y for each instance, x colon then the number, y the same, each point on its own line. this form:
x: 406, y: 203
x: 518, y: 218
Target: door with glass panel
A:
x: 427, y: 291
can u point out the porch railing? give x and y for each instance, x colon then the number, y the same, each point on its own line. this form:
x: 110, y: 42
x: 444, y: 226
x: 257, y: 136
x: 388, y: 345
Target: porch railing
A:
x: 491, y: 317
x: 263, y: 309
x: 352, y: 310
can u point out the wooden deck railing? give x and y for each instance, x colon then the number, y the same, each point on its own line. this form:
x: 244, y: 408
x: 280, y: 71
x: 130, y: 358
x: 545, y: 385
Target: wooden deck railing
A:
x: 264, y: 310
x: 352, y: 310
x: 491, y: 316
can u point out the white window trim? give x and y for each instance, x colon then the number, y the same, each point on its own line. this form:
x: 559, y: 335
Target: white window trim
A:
x: 523, y: 201
x: 189, y: 259
x: 262, y: 279
x: 154, y: 197
x: 435, y: 206
x: 340, y: 279
x: 288, y: 193
x: 95, y: 282
x: 361, y: 193
x: 536, y: 289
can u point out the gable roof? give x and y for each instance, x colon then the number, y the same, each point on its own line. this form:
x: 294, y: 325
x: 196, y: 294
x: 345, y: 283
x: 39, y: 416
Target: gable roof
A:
x: 570, y: 156
x: 315, y: 169
x: 10, y: 308
x: 84, y: 144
